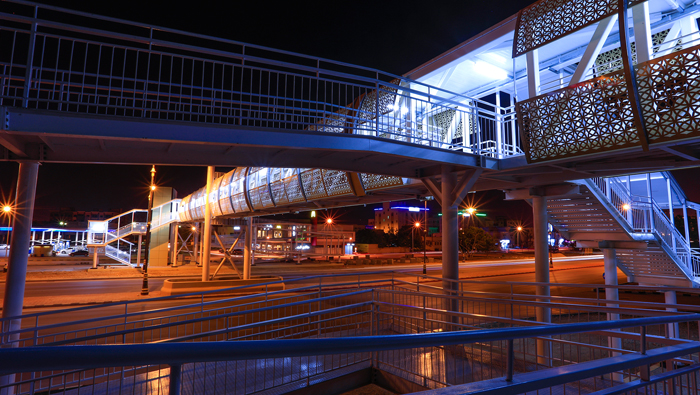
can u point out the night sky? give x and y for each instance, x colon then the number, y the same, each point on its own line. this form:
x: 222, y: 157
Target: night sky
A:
x: 393, y: 36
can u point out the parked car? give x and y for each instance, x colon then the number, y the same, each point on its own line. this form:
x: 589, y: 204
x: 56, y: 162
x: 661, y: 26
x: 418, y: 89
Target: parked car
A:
x: 64, y: 252
x: 79, y: 253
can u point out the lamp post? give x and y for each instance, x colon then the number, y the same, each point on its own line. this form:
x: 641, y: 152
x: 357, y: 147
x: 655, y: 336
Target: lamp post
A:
x: 517, y: 235
x: 7, y: 210
x: 144, y: 287
x: 415, y: 226
x: 329, y: 222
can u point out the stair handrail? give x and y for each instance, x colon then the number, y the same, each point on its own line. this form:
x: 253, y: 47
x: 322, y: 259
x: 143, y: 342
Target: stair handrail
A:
x: 115, y: 253
x: 658, y: 224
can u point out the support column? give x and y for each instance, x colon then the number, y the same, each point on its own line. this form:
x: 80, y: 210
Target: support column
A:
x: 533, y: 73
x: 95, y: 257
x: 138, y: 251
x: 19, y: 244
x: 610, y: 263
x: 206, y: 237
x: 450, y: 235
x: 17, y: 261
x: 670, y: 299
x: 247, y: 248
x: 196, y: 242
x: 642, y: 32
x: 173, y: 244
x: 544, y: 314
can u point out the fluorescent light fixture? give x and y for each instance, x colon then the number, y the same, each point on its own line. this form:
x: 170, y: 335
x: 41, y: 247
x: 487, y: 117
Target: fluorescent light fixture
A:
x: 414, y: 209
x: 490, y: 70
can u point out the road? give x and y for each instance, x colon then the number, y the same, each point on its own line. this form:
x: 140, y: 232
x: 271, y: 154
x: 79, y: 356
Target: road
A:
x: 586, y: 270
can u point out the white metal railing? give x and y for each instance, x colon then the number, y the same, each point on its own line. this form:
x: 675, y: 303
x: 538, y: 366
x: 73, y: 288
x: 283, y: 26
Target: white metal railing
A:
x: 120, y: 255
x: 643, y: 215
x: 165, y: 214
x: 164, y: 74
x: 117, y: 227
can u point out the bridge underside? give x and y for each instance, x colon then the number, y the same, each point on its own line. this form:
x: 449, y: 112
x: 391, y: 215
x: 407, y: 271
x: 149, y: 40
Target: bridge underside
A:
x: 54, y: 137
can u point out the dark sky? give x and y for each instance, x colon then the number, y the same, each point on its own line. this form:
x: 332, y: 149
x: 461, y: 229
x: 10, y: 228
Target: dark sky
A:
x: 393, y: 36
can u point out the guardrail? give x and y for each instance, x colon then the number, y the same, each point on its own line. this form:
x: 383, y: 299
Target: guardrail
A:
x: 171, y: 365
x: 61, y: 62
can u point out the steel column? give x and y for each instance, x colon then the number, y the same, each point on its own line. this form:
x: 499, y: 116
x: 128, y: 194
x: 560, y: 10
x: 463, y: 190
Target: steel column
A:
x: 610, y: 263
x: 670, y: 299
x: 450, y: 236
x: 173, y: 243
x: 195, y: 227
x: 17, y: 261
x: 206, y: 237
x: 138, y: 251
x: 533, y: 73
x: 95, y: 257
x: 247, y: 248
x: 544, y: 314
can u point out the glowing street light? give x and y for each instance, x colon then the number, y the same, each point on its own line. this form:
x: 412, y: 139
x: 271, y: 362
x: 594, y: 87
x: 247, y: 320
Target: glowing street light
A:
x: 471, y: 210
x: 415, y: 226
x: 520, y: 228
x: 7, y: 210
x: 329, y: 221
x: 626, y: 207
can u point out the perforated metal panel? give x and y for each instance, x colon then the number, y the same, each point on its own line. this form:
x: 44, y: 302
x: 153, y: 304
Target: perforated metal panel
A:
x: 333, y: 122
x: 183, y: 210
x: 548, y: 20
x: 238, y: 199
x: 198, y: 209
x: 312, y: 180
x: 279, y: 195
x: 225, y: 194
x: 292, y: 187
x: 337, y: 183
x: 214, y: 197
x: 373, y: 182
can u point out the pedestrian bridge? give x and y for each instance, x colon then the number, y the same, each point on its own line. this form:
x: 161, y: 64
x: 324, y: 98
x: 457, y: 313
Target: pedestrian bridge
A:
x: 131, y: 93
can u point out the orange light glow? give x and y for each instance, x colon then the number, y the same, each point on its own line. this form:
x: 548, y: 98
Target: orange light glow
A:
x: 417, y: 224
x: 7, y: 209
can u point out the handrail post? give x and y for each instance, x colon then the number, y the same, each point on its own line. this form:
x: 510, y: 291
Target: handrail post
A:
x: 376, y: 108
x: 175, y: 380
x: 644, y: 372
x: 510, y: 361
x: 30, y: 61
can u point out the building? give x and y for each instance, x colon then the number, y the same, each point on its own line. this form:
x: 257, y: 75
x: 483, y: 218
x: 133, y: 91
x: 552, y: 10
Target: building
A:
x: 392, y: 216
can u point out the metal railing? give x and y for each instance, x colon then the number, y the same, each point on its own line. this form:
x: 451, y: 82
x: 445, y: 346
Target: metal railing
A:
x: 165, y: 214
x: 56, y: 60
x: 430, y: 359
x: 642, y: 214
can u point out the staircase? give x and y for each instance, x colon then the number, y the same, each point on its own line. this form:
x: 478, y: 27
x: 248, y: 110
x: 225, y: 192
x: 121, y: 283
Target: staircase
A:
x: 629, y: 209
x: 112, y: 234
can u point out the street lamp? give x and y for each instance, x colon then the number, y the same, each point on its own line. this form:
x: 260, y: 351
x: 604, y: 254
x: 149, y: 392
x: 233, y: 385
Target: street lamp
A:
x: 329, y: 222
x: 151, y: 192
x: 415, y: 226
x: 7, y: 210
x: 520, y: 229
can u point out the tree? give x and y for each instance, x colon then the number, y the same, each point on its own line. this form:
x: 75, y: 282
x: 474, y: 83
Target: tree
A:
x: 371, y: 236
x: 403, y: 237
x: 475, y: 239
